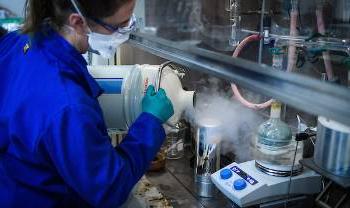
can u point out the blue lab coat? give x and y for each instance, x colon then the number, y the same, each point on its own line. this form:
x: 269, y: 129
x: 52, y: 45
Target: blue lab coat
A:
x: 54, y: 147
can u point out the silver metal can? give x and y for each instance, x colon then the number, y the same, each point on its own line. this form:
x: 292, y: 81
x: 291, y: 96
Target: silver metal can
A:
x: 208, y: 139
x: 332, y: 151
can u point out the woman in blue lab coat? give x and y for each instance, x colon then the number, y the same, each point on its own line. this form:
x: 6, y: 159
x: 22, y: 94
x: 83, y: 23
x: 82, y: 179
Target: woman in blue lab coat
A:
x: 54, y: 147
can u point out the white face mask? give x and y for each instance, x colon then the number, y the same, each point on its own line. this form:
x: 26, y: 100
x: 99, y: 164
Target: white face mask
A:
x: 106, y: 45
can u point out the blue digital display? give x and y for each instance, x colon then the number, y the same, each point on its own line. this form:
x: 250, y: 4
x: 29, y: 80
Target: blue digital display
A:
x: 244, y: 175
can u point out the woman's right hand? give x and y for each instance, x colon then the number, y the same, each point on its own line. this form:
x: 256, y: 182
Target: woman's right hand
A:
x: 157, y: 104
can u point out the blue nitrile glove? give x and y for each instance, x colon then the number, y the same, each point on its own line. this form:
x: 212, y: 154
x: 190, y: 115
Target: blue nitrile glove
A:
x: 157, y: 104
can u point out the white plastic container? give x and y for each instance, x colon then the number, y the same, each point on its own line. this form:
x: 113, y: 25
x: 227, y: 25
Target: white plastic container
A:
x: 124, y: 88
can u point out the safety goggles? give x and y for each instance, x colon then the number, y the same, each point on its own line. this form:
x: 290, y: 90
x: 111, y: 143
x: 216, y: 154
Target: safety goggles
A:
x: 123, y: 30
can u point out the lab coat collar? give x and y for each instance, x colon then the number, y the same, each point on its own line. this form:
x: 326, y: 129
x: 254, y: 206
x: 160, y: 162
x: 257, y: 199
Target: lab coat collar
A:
x: 55, y: 44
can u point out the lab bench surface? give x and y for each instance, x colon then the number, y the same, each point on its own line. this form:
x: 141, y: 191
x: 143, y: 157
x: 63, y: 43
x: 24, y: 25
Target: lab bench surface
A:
x: 176, y: 183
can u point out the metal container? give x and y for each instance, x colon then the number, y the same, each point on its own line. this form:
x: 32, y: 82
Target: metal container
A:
x: 342, y: 11
x: 332, y: 151
x: 207, y: 156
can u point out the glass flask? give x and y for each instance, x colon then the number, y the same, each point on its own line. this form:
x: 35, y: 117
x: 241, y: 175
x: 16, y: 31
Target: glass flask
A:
x: 273, y: 133
x: 275, y: 147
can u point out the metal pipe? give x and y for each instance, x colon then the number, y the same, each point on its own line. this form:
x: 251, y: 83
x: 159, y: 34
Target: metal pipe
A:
x: 322, y: 30
x: 261, y: 44
x: 235, y: 18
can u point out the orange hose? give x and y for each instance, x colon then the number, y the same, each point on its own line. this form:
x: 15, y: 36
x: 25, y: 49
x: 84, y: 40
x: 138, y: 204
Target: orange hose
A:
x: 234, y: 87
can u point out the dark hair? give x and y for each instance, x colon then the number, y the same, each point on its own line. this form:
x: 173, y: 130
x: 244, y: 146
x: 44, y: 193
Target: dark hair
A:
x: 37, y: 11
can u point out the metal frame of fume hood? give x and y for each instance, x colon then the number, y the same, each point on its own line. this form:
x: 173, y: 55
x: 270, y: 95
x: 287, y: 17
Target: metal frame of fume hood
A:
x: 304, y: 93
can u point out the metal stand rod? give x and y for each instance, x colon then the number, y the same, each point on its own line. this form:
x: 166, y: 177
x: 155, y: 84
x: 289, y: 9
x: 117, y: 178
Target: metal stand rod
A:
x: 291, y: 175
x: 261, y: 45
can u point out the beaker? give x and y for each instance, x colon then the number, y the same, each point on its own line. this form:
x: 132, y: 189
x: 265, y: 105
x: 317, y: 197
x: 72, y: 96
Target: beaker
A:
x: 175, y: 142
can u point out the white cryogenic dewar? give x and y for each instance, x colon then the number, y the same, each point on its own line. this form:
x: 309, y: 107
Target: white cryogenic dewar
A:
x: 125, y: 86
x: 180, y: 98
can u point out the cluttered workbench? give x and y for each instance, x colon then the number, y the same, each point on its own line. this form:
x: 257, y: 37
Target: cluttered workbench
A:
x: 174, y: 186
x: 176, y: 183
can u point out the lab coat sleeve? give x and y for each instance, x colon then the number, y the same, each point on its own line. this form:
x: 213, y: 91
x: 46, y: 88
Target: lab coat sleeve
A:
x: 81, y: 152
